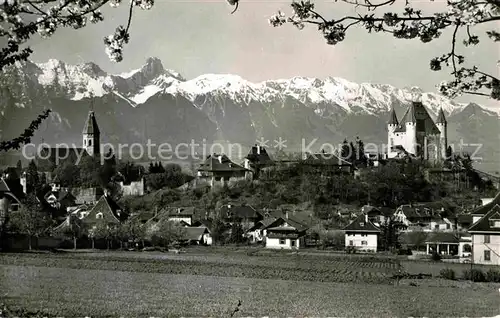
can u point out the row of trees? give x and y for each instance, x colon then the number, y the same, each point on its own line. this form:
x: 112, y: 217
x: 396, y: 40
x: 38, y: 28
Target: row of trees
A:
x: 33, y: 222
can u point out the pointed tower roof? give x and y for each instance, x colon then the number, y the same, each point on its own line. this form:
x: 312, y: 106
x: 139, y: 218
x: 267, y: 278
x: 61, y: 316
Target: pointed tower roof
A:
x: 393, y: 119
x: 91, y: 126
x: 441, y: 117
x: 409, y: 116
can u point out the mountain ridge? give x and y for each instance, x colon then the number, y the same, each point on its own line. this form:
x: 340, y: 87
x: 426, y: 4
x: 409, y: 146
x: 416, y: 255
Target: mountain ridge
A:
x: 156, y: 103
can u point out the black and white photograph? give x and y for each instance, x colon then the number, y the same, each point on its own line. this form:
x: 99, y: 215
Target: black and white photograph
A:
x: 249, y: 158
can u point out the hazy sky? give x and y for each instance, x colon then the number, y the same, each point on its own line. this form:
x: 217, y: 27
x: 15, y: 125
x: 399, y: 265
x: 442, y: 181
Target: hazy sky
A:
x: 197, y: 37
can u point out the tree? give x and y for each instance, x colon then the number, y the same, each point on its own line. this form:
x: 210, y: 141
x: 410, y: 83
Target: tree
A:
x: 73, y: 228
x: 169, y: 232
x: 460, y: 17
x: 218, y: 231
x: 32, y: 179
x: 28, y: 133
x: 390, y: 231
x: 135, y: 231
x: 30, y: 220
x: 24, y: 19
x: 103, y: 230
x: 237, y: 233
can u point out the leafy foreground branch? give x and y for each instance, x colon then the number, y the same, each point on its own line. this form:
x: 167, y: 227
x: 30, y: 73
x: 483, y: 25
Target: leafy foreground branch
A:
x: 461, y: 17
x: 22, y: 19
x: 26, y: 136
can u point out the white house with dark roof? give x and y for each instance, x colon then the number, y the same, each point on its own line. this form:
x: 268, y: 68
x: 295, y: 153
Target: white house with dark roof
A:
x: 362, y: 235
x: 485, y: 232
x: 284, y: 233
x: 417, y: 134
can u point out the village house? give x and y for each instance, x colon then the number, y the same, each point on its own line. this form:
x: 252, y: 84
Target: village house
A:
x: 362, y: 235
x: 106, y: 210
x: 180, y: 214
x: 199, y: 235
x: 245, y: 215
x: 60, y: 199
x: 219, y: 169
x: 285, y: 233
x: 377, y: 215
x: 485, y: 232
x: 424, y: 216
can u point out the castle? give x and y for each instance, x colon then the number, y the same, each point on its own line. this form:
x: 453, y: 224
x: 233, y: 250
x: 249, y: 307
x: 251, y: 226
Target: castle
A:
x: 417, y: 134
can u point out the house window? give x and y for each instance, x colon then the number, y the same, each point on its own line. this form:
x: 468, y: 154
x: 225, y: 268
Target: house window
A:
x: 90, y: 142
x: 282, y: 242
x: 487, y: 256
x: 364, y: 243
x: 495, y: 223
x: 447, y: 226
x: 351, y: 243
x: 436, y: 226
x: 487, y: 239
x: 362, y: 224
x: 292, y: 242
x: 98, y: 215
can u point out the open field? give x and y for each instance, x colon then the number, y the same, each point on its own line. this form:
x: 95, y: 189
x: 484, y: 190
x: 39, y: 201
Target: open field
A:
x: 159, y: 284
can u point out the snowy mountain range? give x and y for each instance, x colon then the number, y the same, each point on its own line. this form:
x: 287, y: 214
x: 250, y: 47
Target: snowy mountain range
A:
x: 159, y: 104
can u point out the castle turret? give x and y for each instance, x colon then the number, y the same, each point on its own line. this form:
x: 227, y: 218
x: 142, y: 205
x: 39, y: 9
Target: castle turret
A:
x: 91, y: 135
x: 442, y: 125
x: 392, y: 124
x: 411, y: 131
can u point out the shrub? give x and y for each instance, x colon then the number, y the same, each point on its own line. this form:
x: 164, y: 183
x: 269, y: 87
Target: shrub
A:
x: 475, y: 275
x: 436, y: 257
x: 447, y: 273
x: 493, y: 275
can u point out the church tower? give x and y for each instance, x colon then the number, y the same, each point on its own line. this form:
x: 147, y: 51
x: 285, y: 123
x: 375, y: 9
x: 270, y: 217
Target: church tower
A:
x: 442, y: 125
x: 91, y: 135
x: 392, y: 124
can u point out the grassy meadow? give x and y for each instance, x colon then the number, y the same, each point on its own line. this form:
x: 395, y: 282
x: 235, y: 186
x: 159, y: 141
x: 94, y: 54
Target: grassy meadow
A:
x: 138, y: 284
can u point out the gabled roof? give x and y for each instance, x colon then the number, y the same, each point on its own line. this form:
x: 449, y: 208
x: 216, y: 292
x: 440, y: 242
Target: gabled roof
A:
x: 487, y: 207
x: 219, y: 163
x: 420, y: 210
x: 284, y: 223
x: 415, y: 114
x: 441, y: 117
x: 262, y: 224
x: 360, y: 224
x: 239, y: 212
x: 91, y: 126
x: 3, y: 186
x: 442, y: 237
x: 393, y: 119
x: 492, y: 214
x: 109, y: 210
x: 194, y: 233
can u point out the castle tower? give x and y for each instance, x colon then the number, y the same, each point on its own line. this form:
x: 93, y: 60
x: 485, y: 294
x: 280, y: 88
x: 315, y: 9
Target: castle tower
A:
x: 91, y: 135
x: 442, y: 125
x: 411, y: 131
x: 392, y: 124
